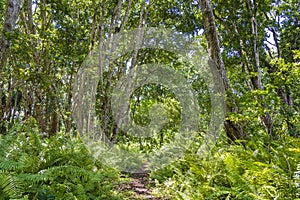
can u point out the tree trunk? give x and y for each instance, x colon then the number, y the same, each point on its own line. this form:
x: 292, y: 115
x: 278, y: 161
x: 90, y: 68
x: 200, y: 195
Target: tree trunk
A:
x: 256, y: 80
x: 233, y: 130
x: 13, y: 8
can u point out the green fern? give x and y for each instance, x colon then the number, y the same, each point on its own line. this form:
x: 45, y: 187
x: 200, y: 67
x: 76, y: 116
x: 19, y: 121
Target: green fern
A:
x: 233, y: 172
x: 297, y: 180
x: 9, y: 165
x: 10, y: 186
x: 60, y: 167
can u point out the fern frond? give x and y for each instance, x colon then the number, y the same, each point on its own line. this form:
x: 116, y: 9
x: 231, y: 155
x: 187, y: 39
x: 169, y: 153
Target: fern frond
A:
x: 297, y: 179
x: 9, y: 165
x: 10, y: 186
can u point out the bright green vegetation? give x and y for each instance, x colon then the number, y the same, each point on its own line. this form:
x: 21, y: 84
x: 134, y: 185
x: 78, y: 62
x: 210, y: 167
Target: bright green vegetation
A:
x: 56, y: 168
x: 33, y: 167
x: 255, y: 47
x: 235, y: 172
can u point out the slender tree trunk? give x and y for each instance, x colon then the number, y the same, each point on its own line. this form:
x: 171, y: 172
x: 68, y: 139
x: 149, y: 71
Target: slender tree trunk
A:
x: 256, y: 80
x: 139, y: 37
x: 233, y: 130
x: 283, y: 91
x: 13, y: 8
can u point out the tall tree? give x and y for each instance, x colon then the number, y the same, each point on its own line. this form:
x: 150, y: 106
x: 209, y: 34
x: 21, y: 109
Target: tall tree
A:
x: 13, y: 8
x: 233, y: 129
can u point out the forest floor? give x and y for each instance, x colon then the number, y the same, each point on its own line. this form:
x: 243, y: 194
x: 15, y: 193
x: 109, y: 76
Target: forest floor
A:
x: 139, y: 187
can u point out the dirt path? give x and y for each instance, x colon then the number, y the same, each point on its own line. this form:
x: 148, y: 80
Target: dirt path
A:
x: 140, y: 185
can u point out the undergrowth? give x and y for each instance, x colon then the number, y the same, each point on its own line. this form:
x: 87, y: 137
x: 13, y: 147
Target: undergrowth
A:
x: 37, y: 168
x: 60, y: 167
x: 235, y: 172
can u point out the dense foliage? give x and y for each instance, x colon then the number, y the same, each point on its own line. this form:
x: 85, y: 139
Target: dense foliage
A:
x: 33, y: 167
x: 254, y: 46
x: 234, y: 172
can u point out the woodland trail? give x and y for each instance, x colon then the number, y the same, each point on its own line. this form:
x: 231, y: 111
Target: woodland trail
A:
x: 140, y: 184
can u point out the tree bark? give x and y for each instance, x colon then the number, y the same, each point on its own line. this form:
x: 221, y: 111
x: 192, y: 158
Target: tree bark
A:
x: 13, y: 8
x: 139, y: 37
x: 233, y: 130
x: 256, y: 80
